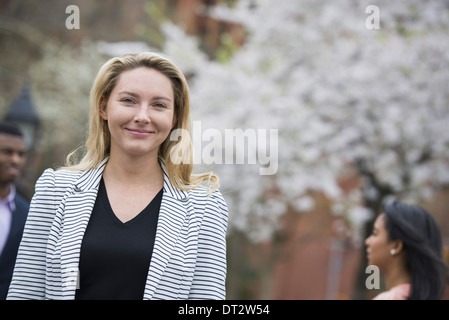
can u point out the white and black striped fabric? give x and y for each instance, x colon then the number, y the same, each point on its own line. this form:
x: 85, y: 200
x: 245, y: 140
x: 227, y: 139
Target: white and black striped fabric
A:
x: 189, y: 255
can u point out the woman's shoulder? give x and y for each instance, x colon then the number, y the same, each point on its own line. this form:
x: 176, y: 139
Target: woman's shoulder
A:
x: 202, y: 196
x: 57, y: 177
x: 204, y: 192
x: 62, y: 174
x: 399, y: 292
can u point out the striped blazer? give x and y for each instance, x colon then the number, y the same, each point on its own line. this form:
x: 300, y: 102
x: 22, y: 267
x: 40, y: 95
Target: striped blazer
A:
x: 189, y: 254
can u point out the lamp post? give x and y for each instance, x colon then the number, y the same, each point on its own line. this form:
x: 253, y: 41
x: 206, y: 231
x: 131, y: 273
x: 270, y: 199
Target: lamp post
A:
x: 23, y: 113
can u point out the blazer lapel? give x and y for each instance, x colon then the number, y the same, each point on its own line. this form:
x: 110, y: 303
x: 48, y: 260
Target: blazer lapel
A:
x: 76, y: 213
x: 172, y: 215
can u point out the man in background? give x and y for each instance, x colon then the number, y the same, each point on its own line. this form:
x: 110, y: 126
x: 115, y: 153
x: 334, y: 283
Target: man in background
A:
x: 13, y: 207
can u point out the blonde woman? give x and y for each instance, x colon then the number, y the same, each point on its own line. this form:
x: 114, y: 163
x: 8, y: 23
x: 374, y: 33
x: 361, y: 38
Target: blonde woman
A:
x: 129, y: 220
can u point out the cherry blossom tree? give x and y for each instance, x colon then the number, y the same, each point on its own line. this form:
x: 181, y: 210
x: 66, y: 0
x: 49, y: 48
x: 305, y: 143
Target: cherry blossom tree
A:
x: 345, y: 98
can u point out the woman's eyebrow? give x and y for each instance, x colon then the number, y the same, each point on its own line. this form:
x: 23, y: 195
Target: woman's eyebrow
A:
x: 160, y: 98
x: 135, y: 95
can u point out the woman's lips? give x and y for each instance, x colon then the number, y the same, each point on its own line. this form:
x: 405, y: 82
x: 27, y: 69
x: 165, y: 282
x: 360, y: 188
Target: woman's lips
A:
x: 140, y: 132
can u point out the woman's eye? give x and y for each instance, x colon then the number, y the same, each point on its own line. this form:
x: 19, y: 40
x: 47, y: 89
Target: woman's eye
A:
x: 127, y: 100
x: 160, y: 105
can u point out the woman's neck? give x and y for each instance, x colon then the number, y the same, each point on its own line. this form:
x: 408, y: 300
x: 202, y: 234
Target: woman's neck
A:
x: 131, y: 170
x: 396, y: 276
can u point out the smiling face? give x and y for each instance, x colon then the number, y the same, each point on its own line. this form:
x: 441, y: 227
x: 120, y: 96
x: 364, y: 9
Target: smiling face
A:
x: 12, y: 157
x: 139, y: 112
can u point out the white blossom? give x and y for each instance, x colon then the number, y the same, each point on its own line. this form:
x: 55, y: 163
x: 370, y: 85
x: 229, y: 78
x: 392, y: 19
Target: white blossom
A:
x: 337, y: 92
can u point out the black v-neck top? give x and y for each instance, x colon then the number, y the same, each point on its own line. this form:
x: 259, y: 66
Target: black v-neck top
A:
x: 115, y: 256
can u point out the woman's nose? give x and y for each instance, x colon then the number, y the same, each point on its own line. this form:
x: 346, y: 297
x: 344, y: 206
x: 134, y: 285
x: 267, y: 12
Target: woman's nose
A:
x: 142, y: 115
x: 367, y: 240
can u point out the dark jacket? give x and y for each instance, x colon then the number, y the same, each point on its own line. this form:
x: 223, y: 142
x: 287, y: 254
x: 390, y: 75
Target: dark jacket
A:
x: 9, y: 254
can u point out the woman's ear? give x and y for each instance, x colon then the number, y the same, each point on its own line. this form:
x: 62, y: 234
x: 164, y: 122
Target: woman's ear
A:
x: 398, y: 247
x: 103, y: 111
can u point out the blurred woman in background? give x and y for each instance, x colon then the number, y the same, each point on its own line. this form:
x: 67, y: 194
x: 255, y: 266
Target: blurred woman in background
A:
x: 406, y: 246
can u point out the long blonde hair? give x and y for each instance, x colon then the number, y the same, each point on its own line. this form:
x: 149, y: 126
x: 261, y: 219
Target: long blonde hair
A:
x: 97, y: 145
